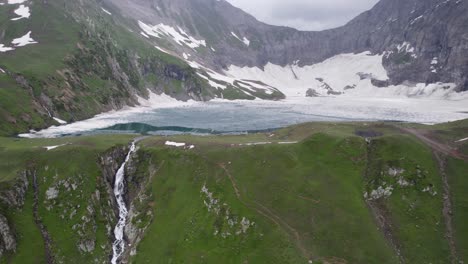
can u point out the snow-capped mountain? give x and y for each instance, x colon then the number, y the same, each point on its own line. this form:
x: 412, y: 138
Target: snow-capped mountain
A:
x: 70, y: 60
x: 413, y: 47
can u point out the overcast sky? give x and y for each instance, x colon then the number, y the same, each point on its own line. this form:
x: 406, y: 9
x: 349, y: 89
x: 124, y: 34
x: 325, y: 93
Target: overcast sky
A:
x: 305, y: 14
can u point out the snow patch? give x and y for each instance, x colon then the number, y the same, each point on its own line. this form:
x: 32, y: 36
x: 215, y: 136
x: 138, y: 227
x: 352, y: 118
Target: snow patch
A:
x: 60, y: 121
x: 256, y: 144
x: 54, y: 147
x: 222, y: 81
x: 23, y: 12
x: 416, y: 19
x: 5, y: 49
x: 155, y: 101
x: 14, y: 2
x: 244, y: 40
x: 24, y: 40
x: 406, y: 47
x: 434, y: 63
x: 175, y: 144
x: 163, y: 50
x: 106, y: 11
x: 178, y: 35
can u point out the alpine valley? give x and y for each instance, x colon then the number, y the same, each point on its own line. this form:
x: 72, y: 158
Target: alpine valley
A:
x: 187, y: 131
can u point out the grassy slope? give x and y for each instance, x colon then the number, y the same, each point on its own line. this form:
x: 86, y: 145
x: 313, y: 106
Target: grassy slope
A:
x: 71, y: 65
x: 284, y: 179
x: 36, y: 62
x: 75, y: 163
x: 457, y: 171
x: 85, y: 62
x: 306, y: 199
x: 416, y: 215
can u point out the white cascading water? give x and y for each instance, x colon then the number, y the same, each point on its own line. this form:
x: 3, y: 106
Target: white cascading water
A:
x: 119, y: 191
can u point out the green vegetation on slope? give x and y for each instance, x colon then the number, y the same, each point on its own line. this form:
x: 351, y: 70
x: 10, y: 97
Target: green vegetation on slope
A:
x: 228, y: 202
x: 457, y: 171
x: 85, y: 62
x: 276, y: 187
x: 415, y: 204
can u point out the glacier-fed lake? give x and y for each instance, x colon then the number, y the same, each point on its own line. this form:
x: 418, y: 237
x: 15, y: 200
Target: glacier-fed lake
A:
x: 217, y: 117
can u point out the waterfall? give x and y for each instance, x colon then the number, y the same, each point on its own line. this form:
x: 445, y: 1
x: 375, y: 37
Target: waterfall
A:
x: 119, y: 191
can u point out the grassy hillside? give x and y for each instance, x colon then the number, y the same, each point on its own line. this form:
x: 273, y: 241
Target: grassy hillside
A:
x: 227, y: 200
x: 85, y: 62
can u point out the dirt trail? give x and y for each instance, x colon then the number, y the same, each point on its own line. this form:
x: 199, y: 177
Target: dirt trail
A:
x: 285, y: 226
x: 233, y: 182
x: 441, y: 152
x: 434, y: 145
x: 39, y: 224
x: 263, y: 210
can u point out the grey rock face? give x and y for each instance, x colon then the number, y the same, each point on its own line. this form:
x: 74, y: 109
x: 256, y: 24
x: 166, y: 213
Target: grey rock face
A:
x: 430, y: 28
x: 110, y: 163
x: 14, y: 197
x: 7, y: 238
x: 312, y: 93
x: 52, y: 193
x: 87, y: 246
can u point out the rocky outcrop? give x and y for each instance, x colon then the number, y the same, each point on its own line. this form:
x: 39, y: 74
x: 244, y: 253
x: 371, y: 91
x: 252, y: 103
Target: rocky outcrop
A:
x: 312, y: 93
x: 12, y: 197
x: 110, y: 162
x: 7, y: 237
x: 410, y: 32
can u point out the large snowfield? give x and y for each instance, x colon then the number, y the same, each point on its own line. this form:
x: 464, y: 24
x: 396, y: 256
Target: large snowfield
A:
x: 342, y: 75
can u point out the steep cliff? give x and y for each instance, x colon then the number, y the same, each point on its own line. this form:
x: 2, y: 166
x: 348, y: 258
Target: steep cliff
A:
x: 424, y: 41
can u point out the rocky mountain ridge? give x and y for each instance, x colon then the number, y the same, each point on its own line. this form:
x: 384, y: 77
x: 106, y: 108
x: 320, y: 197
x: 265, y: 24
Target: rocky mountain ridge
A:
x: 423, y: 41
x: 97, y: 56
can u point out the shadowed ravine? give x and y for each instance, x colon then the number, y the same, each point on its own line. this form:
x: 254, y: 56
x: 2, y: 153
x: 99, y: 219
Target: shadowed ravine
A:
x: 40, y: 225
